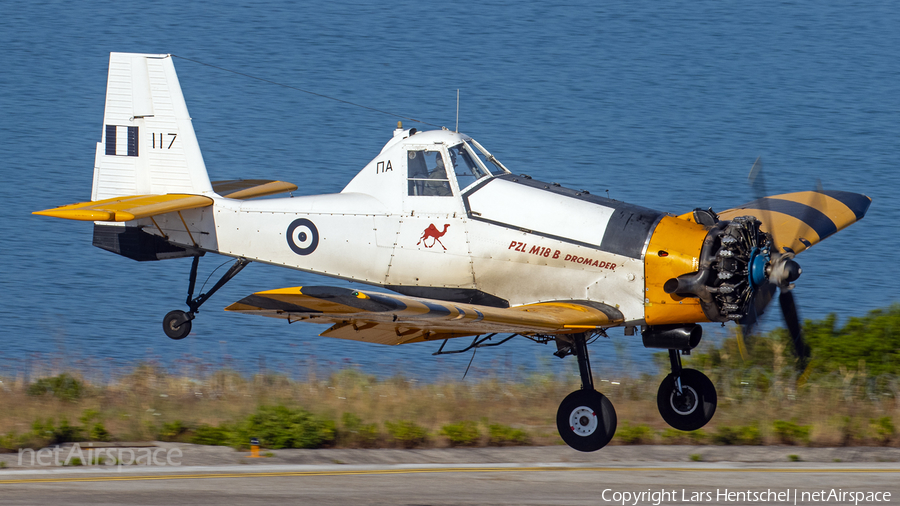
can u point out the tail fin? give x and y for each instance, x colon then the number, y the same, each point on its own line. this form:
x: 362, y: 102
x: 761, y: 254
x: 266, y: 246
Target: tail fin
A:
x: 148, y: 145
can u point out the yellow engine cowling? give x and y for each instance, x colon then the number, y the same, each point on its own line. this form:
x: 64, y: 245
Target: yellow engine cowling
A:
x: 674, y: 249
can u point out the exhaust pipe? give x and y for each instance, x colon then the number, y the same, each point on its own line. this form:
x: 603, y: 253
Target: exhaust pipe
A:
x: 690, y: 285
x: 672, y: 337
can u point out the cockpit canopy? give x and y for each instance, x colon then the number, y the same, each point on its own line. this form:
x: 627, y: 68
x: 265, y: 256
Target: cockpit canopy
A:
x: 427, y: 174
x: 415, y: 164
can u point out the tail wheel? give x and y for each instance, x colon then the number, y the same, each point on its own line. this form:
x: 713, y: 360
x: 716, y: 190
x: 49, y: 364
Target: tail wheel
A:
x: 586, y: 420
x: 691, y: 407
x: 177, y: 324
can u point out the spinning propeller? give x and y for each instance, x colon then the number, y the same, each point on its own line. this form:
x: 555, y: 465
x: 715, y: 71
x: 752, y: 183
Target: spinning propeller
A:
x: 770, y: 268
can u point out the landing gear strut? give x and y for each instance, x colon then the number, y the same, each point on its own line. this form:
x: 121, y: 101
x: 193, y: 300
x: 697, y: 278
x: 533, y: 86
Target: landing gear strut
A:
x: 177, y: 323
x: 686, y: 398
x: 586, y: 419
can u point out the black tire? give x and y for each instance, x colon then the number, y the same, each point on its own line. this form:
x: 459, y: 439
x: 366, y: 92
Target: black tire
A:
x: 694, y: 407
x: 177, y: 324
x: 586, y: 420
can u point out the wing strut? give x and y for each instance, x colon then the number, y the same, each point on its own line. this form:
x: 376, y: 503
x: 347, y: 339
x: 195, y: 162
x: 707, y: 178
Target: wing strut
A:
x: 476, y: 343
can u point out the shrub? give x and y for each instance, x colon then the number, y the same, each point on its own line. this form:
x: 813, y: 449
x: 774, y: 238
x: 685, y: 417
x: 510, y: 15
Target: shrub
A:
x: 64, y: 387
x: 358, y: 434
x: 89, y: 415
x: 9, y: 442
x: 790, y: 433
x: 210, y: 435
x: 697, y: 436
x: 99, y: 433
x: 675, y: 436
x: 851, y: 431
x: 634, y: 434
x: 463, y: 433
x: 872, y: 340
x: 282, y: 427
x: 405, y: 433
x: 504, y: 435
x: 884, y: 428
x: 173, y: 431
x: 740, y: 435
x: 49, y: 434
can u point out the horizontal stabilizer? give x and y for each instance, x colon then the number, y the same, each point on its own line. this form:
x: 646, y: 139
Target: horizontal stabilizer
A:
x: 396, y: 319
x: 251, y: 188
x: 127, y: 208
x: 799, y: 220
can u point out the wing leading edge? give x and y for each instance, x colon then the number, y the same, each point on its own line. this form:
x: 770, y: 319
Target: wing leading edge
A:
x: 799, y: 220
x: 394, y: 319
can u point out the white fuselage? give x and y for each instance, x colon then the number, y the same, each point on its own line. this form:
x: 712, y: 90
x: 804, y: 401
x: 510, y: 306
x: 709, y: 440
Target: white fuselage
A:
x: 483, y: 240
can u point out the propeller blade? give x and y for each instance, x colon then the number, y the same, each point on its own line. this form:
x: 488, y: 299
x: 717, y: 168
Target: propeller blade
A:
x: 756, y: 179
x: 792, y: 320
x: 758, y: 184
x: 764, y: 295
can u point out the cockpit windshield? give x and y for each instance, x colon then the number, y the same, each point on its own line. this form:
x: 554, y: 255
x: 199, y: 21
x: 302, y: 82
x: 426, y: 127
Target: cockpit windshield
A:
x: 490, y: 163
x: 470, y: 165
x: 467, y: 171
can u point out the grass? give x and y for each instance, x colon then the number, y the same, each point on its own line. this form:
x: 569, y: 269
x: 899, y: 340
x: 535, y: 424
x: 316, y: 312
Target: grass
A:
x: 351, y: 409
x: 762, y: 400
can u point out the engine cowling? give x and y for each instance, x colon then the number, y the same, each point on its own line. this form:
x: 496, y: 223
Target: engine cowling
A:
x: 738, y: 273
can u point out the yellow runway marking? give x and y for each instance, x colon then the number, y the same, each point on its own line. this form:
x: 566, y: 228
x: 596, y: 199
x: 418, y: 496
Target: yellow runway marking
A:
x: 376, y: 472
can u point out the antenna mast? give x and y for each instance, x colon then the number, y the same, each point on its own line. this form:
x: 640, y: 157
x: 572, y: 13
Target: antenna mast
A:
x: 457, y: 110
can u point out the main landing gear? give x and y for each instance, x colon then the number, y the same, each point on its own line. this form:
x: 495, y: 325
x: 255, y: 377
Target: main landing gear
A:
x: 686, y: 398
x: 177, y: 323
x: 586, y: 419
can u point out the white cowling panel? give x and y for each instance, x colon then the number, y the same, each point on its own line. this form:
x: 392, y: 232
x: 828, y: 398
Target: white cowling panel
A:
x: 540, y: 211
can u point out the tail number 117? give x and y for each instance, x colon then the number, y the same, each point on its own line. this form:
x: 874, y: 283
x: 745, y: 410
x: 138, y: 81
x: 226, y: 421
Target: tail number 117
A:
x: 162, y: 144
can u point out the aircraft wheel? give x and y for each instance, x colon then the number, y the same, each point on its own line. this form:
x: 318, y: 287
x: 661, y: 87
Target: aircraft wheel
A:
x: 691, y: 409
x: 177, y: 324
x: 586, y: 420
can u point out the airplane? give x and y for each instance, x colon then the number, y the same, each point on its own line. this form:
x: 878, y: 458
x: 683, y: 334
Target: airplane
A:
x: 467, y: 247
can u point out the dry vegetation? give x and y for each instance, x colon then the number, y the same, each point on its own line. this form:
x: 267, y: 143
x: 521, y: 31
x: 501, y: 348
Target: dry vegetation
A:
x: 847, y: 396
x: 149, y: 404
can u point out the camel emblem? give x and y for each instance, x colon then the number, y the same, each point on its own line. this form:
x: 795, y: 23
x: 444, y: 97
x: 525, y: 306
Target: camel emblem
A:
x: 432, y: 232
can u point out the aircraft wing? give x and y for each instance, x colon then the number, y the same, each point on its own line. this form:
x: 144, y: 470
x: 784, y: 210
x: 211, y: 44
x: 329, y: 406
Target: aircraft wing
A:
x: 127, y: 208
x: 799, y: 220
x: 395, y: 319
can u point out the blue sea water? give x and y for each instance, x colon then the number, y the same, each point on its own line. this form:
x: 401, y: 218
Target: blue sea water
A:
x: 664, y: 105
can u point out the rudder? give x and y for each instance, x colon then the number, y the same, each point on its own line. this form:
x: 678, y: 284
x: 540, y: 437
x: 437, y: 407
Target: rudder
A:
x: 148, y: 145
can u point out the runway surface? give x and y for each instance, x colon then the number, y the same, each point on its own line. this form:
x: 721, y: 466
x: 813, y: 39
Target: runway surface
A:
x: 636, y: 483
